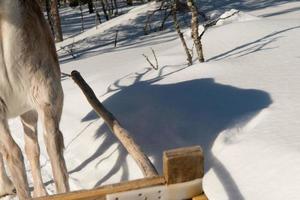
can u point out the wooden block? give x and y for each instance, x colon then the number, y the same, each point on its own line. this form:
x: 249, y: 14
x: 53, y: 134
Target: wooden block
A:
x: 183, y: 164
x: 200, y: 197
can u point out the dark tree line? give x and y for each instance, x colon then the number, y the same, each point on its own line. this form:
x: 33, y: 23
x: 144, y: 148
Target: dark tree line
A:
x: 53, y: 17
x: 51, y: 7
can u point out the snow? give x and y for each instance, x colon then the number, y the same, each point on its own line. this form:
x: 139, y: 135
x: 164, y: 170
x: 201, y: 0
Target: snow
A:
x: 241, y: 105
x: 234, y: 15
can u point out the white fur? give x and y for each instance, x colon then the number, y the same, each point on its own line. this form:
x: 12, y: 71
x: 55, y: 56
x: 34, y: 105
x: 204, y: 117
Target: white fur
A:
x: 13, y: 89
x: 29, y: 85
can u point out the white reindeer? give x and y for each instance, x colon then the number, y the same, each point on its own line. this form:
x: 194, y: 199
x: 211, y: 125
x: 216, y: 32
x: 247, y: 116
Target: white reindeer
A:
x: 30, y: 87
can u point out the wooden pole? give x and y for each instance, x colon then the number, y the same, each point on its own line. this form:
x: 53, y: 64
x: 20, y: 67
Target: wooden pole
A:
x: 122, y: 134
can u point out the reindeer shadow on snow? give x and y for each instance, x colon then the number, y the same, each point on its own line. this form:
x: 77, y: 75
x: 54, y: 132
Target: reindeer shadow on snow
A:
x: 162, y: 117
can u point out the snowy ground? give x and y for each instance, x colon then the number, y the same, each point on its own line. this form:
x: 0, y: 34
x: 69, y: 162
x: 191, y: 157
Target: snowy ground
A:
x: 242, y: 105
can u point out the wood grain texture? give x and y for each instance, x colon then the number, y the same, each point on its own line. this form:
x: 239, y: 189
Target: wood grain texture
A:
x: 101, y: 192
x: 183, y: 164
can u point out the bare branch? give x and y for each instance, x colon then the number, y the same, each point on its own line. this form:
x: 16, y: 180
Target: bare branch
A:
x: 156, y: 66
x: 156, y: 61
x: 167, y: 15
x: 65, y: 74
x: 70, y: 49
x: 147, y: 26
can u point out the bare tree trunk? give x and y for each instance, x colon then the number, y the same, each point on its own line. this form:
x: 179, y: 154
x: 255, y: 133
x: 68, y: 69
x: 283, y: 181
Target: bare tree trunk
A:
x: 129, y: 2
x: 97, y: 17
x: 123, y: 135
x: 108, y: 8
x: 91, y: 6
x: 49, y: 17
x: 180, y: 34
x: 116, y: 7
x: 181, y: 6
x: 104, y: 10
x: 195, y: 32
x: 81, y: 16
x: 111, y: 8
x: 56, y: 21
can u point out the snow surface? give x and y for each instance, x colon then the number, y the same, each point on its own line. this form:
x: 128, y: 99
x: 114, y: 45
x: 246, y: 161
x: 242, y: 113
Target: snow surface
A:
x: 241, y: 105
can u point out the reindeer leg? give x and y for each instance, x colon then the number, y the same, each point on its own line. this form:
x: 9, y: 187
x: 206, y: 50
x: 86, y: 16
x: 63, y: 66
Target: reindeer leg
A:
x: 32, y: 149
x: 6, y: 186
x: 50, y: 113
x: 14, y: 159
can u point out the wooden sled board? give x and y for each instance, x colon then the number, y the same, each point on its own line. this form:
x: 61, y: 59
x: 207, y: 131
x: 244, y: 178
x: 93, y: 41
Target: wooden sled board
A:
x: 180, y: 191
x: 183, y: 171
x: 101, y: 192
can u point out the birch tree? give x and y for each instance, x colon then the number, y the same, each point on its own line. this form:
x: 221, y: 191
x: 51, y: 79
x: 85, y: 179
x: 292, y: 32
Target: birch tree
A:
x: 180, y: 34
x: 56, y: 21
x: 195, y: 32
x: 49, y: 18
x: 104, y: 10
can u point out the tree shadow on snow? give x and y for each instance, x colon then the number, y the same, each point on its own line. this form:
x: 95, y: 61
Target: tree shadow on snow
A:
x: 253, y: 46
x: 244, y: 5
x: 162, y: 117
x: 295, y: 9
x: 129, y: 35
x: 132, y: 34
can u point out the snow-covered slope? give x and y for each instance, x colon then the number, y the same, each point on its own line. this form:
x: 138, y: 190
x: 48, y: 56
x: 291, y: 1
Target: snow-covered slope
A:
x: 241, y: 105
